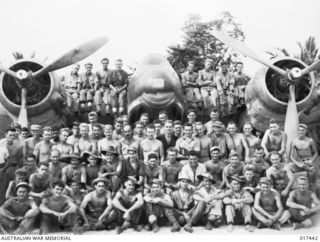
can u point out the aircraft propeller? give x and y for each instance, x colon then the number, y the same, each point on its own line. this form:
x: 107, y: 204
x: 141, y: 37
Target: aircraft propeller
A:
x: 24, y: 78
x: 292, y: 77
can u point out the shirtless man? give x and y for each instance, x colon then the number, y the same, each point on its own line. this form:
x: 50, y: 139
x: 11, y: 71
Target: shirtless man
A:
x: 251, y: 139
x: 209, y: 85
x: 96, y: 207
x: 215, y: 166
x: 64, y: 148
x: 171, y: 170
x: 75, y: 134
x: 163, y: 118
x: 96, y: 134
x: 274, y: 139
x: 73, y: 169
x: 150, y: 144
x: 157, y: 128
x: 239, y: 141
x: 303, y: 204
x: 235, y: 167
x: 139, y: 135
x: 187, y: 142
x: 30, y: 143
x: 127, y: 140
x: 205, y: 143
x: 128, y: 204
x: 83, y: 143
x: 55, y: 165
x: 303, y: 154
x: 102, y: 90
x: 118, y: 128
x: 153, y: 171
x: 280, y: 179
x: 17, y: 215
x: 108, y: 140
x: 214, y: 116
x: 42, y: 150
x: 40, y: 183
x: 177, y: 129
x: 268, y: 207
x: 189, y: 80
x: 58, y: 211
x: 241, y: 81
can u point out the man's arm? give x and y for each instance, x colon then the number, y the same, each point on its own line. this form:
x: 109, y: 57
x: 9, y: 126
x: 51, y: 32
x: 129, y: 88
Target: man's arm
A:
x: 258, y: 207
x: 44, y: 209
x: 283, y: 144
x: 165, y: 201
x: 34, y: 211
x: 161, y: 152
x: 294, y: 154
x: 83, y: 175
x: 264, y: 142
x: 245, y: 146
x: 117, y: 204
x: 108, y: 208
x: 279, y: 206
x: 72, y: 207
x: 314, y: 149
x: 291, y: 204
x: 83, y: 206
x: 138, y: 204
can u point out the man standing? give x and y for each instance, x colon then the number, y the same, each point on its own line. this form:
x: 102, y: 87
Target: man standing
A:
x: 159, y: 205
x: 30, y: 143
x: 303, y: 204
x: 108, y: 140
x: 222, y: 140
x: 153, y: 171
x: 239, y: 200
x: 241, y: 80
x: 64, y: 148
x: 17, y: 215
x: 239, y: 141
x: 235, y: 167
x: 118, y: 87
x: 128, y: 204
x: 251, y: 139
x: 215, y: 166
x: 268, y: 207
x: 127, y: 140
x: 42, y: 150
x: 83, y: 143
x: 168, y: 139
x: 96, y: 207
x: 75, y: 133
x: 58, y: 211
x: 205, y: 143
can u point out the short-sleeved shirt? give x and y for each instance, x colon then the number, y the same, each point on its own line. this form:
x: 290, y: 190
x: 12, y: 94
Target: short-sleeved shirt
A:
x: 71, y: 81
x: 185, y: 145
x: 193, y: 176
x: 87, y: 80
x: 119, y: 78
x: 227, y: 80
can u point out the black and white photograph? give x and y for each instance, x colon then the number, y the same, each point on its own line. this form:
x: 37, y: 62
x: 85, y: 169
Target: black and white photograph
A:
x: 149, y: 118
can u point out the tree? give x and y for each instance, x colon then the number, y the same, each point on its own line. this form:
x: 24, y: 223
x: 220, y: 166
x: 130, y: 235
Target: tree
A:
x: 198, y: 43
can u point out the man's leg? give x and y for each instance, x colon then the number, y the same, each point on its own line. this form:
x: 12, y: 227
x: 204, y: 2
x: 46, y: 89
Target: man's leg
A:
x: 205, y: 95
x: 230, y: 214
x: 261, y: 219
x: 214, y: 96
x: 98, y: 100
x: 107, y: 100
x: 25, y: 226
x: 114, y: 101
x: 115, y: 184
x: 247, y: 213
x: 122, y: 97
x: 169, y: 214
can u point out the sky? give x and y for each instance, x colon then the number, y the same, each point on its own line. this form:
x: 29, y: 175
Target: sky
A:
x: 138, y: 27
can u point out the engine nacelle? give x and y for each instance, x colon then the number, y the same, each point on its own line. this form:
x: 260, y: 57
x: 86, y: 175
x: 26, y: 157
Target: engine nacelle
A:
x: 155, y: 86
x: 267, y: 93
x: 44, y: 96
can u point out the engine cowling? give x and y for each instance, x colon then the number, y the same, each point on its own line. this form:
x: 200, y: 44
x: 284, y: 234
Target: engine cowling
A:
x: 267, y: 93
x: 44, y: 95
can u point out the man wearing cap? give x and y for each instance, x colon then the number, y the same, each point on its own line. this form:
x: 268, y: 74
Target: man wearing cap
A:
x: 222, y: 140
x: 239, y: 141
x: 42, y: 149
x: 108, y: 141
x: 76, y: 193
x: 84, y: 143
x: 268, y: 208
x: 159, y: 206
x: 171, y: 169
x: 234, y: 167
x: 96, y: 207
x: 304, y: 155
x: 132, y: 166
x: 193, y: 168
x: 127, y: 140
x: 153, y: 171
x: 128, y: 204
x: 20, y: 176
x: 64, y: 148
x: 251, y: 139
x: 17, y: 215
x: 75, y: 133
x: 187, y: 142
x: 111, y: 169
x: 40, y: 183
x: 151, y: 144
x: 238, y: 204
x: 205, y: 143
x: 58, y: 210
x: 210, y: 198
x: 274, y: 139
x: 73, y: 169
x: 303, y: 205
x: 215, y: 166
x: 93, y: 162
x: 30, y: 143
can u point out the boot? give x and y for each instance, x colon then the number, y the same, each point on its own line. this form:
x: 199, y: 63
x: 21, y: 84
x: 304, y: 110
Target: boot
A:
x: 155, y: 227
x: 188, y: 228
x: 175, y: 225
x: 209, y: 225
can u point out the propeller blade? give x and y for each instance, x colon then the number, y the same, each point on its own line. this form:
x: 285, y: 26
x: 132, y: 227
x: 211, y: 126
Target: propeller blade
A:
x: 23, y: 116
x: 292, y: 119
x: 313, y: 67
x: 242, y: 48
x: 8, y: 71
x: 73, y: 56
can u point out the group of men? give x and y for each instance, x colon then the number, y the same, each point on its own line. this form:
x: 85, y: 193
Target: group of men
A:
x: 105, y: 88
x: 164, y: 173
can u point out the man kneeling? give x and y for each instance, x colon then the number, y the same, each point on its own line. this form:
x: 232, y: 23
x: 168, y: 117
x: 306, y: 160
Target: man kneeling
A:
x: 158, y: 206
x: 268, y: 207
x: 96, y: 207
x: 17, y: 214
x: 59, y: 212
